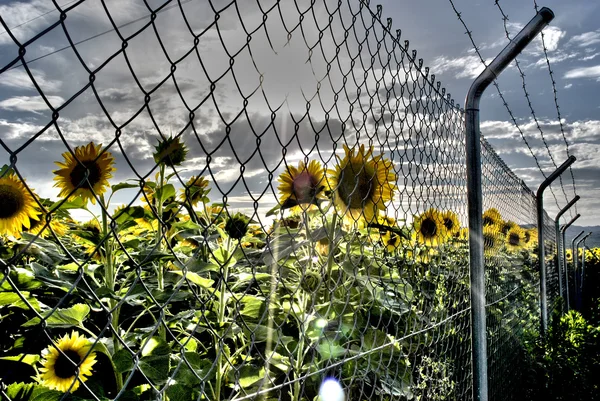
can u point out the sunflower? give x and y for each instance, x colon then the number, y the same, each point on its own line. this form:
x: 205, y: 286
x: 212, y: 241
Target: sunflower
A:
x: 569, y: 255
x: 462, y: 234
x: 237, y: 226
x: 391, y: 241
x: 492, y: 239
x: 39, y: 227
x: 429, y: 228
x: 84, y: 172
x: 170, y: 151
x: 508, y: 225
x: 68, y: 364
x: 89, y: 234
x: 195, y: 190
x: 492, y: 217
x: 362, y: 184
x: 17, y: 206
x: 302, y: 186
x: 530, y: 237
x: 451, y: 222
x: 515, y: 239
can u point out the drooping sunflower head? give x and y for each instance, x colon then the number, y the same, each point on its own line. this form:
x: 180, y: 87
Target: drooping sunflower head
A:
x: 451, y: 222
x: 507, y: 226
x: 62, y: 361
x: 492, y: 217
x: 429, y: 228
x: 362, y: 184
x: 89, y: 235
x: 237, y: 226
x: 170, y: 151
x: 84, y: 172
x: 195, y: 191
x: 302, y: 186
x: 515, y: 239
x: 17, y: 206
x: 492, y: 240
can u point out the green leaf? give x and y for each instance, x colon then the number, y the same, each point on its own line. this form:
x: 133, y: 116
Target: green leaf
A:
x: 330, y: 350
x: 195, y: 278
x: 166, y: 192
x: 123, y: 185
x: 201, y: 370
x: 20, y: 391
x: 156, y: 346
x: 128, y: 214
x: 252, y: 306
x: 13, y: 299
x: 75, y: 203
x: 178, y: 392
x: 29, y: 359
x: 123, y: 361
x: 22, y: 278
x: 63, y: 318
x: 248, y: 375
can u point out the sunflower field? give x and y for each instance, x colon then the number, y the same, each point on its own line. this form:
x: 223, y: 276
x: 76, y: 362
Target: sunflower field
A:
x: 178, y: 297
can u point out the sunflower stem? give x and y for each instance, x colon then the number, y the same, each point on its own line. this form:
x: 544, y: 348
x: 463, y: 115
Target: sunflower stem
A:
x: 221, y: 322
x: 299, y: 359
x: 159, y: 209
x: 109, y: 277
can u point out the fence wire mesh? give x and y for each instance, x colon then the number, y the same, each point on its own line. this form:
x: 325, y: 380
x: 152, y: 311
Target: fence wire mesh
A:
x: 254, y: 230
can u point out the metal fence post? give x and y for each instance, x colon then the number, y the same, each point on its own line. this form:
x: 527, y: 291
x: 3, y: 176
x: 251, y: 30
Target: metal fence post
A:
x: 541, y: 253
x: 574, y: 253
x: 579, y: 282
x: 560, y: 245
x: 563, y: 230
x: 475, y: 196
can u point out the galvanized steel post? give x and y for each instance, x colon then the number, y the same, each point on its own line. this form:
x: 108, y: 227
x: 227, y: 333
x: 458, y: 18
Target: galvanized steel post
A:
x: 574, y: 257
x: 475, y: 196
x: 578, y: 283
x: 560, y: 245
x: 541, y: 252
x: 563, y: 230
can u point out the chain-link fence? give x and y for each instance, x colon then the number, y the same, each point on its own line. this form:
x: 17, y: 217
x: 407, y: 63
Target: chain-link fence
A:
x: 245, y: 216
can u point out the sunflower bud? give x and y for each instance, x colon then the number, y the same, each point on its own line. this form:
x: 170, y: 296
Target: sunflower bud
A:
x: 171, y: 152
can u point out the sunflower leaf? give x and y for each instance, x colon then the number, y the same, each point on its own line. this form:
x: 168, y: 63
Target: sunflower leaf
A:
x: 123, y: 185
x: 195, y: 278
x: 75, y: 203
x: 64, y: 318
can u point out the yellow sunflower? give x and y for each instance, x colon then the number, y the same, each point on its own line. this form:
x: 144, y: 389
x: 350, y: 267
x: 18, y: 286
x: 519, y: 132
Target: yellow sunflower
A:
x: 86, y: 172
x: 462, y: 234
x: 530, y: 237
x: 301, y: 187
x: 391, y: 241
x: 59, y: 369
x: 39, y: 227
x: 17, y: 206
x: 515, y: 239
x: 569, y: 255
x: 362, y: 184
x: 508, y: 225
x: 492, y: 240
x: 451, y: 222
x: 492, y: 217
x: 429, y: 228
x: 195, y: 190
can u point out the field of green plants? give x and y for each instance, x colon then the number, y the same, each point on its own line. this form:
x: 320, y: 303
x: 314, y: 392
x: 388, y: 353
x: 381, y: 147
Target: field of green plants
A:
x: 178, y: 296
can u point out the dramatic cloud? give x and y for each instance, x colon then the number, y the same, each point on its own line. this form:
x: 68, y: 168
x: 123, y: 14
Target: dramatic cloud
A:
x: 586, y: 39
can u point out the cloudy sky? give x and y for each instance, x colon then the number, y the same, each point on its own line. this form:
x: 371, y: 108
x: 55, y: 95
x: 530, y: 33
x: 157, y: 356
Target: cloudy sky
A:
x: 267, y: 82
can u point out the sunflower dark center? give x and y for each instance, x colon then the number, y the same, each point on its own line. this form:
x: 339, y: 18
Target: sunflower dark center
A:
x: 449, y: 224
x: 304, y: 187
x: 87, y: 168
x: 356, y: 186
x: 67, y: 367
x: 514, y: 239
x: 527, y: 236
x: 428, y: 228
x: 12, y: 201
x: 236, y: 228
